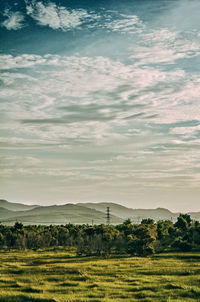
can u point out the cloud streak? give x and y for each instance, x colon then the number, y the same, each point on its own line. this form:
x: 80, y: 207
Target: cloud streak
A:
x: 13, y: 21
x: 60, y: 17
x: 125, y: 24
x: 56, y: 17
x: 124, y: 118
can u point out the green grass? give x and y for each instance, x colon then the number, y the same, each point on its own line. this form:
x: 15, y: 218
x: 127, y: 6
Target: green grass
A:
x: 58, y: 276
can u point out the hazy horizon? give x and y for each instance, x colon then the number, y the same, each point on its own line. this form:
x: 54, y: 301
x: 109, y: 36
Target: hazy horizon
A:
x: 100, y: 102
x: 61, y: 203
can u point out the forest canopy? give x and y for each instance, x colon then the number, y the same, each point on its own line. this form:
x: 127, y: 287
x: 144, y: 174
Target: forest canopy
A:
x: 141, y: 239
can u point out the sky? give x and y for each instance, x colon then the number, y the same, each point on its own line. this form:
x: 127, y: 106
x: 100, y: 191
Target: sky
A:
x: 100, y: 101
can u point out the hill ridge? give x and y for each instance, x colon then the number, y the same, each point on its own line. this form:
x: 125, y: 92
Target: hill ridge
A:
x: 78, y: 213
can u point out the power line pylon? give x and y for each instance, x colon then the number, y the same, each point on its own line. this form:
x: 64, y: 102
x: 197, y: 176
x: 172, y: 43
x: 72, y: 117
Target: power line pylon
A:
x: 108, y: 215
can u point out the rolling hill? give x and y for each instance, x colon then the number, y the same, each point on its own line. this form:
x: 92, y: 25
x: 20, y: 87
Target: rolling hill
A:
x: 5, y: 213
x: 15, y: 206
x: 81, y: 213
x: 63, y: 214
x: 194, y: 215
x: 134, y: 214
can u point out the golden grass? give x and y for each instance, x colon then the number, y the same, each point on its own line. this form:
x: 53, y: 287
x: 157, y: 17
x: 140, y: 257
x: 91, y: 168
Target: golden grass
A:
x: 59, y: 276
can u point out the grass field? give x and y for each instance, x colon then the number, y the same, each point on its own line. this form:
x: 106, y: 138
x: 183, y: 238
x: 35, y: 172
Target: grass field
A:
x: 58, y: 276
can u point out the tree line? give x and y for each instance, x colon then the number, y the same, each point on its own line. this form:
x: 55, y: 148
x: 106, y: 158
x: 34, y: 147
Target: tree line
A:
x: 141, y: 239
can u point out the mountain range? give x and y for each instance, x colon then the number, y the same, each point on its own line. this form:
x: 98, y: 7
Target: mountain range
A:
x: 80, y: 213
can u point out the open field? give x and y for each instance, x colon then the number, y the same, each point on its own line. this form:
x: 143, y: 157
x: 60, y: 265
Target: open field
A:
x: 58, y: 276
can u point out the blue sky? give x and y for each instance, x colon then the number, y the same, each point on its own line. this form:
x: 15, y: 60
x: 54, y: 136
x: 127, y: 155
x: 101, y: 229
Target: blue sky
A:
x: 100, y: 102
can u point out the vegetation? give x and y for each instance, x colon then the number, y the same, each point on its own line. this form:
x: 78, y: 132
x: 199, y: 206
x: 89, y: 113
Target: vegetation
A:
x: 126, y: 238
x: 60, y: 276
x: 100, y: 263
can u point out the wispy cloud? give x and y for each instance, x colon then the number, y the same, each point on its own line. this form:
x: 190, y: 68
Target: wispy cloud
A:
x: 13, y: 21
x: 95, y: 105
x: 126, y: 123
x: 56, y: 17
x: 60, y: 17
x: 125, y: 24
x: 164, y: 46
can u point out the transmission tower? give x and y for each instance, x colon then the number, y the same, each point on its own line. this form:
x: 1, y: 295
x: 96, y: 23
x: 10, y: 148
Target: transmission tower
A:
x: 108, y: 215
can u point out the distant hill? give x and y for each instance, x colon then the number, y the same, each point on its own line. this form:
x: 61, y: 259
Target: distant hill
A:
x: 194, y: 215
x: 63, y: 214
x: 135, y: 214
x: 15, y: 206
x: 116, y: 209
x: 5, y: 213
x: 81, y: 213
